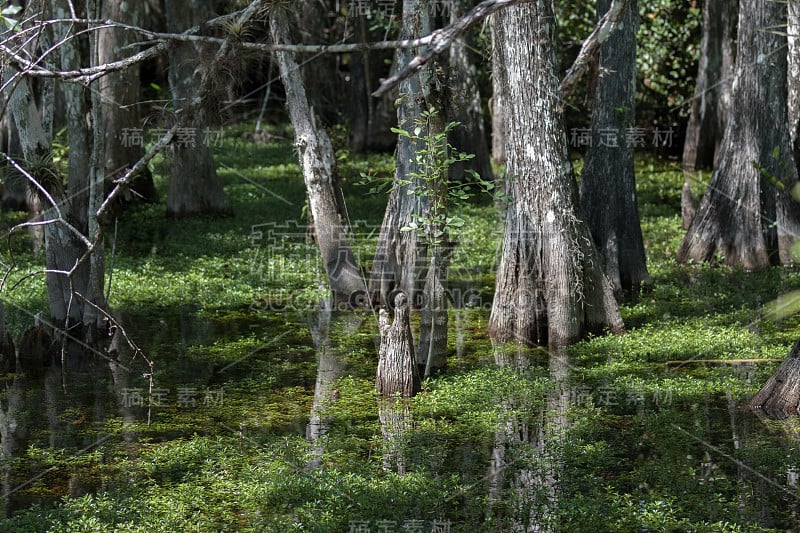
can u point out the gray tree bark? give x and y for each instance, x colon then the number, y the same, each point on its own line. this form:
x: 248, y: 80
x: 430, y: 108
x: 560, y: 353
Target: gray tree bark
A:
x: 399, y: 259
x: 194, y: 188
x: 793, y: 75
x: 120, y: 95
x: 465, y: 106
x: 317, y: 161
x: 69, y: 211
x: 712, y: 96
x: 550, y: 287
x: 608, y: 184
x: 497, y: 105
x: 747, y: 216
x: 397, y: 373
x: 780, y: 395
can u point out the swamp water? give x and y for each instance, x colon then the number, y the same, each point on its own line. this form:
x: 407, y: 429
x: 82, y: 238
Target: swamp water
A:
x: 279, y: 406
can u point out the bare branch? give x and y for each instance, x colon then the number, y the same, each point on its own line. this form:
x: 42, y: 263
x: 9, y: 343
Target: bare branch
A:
x: 591, y: 46
x: 87, y: 75
x: 438, y: 41
x: 60, y: 218
x: 441, y: 39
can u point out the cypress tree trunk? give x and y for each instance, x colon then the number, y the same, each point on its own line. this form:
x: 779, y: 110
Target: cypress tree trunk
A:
x: 780, y: 395
x: 399, y: 258
x: 608, y: 184
x: 397, y: 369
x: 194, y: 188
x: 747, y: 216
x: 465, y: 106
x: 317, y: 161
x: 793, y: 37
x: 120, y: 92
x: 550, y: 286
x: 497, y: 105
x: 712, y: 93
x: 71, y: 298
x: 712, y: 96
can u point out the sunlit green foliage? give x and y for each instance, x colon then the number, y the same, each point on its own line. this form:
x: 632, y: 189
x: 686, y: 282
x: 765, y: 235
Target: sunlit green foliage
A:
x: 655, y: 439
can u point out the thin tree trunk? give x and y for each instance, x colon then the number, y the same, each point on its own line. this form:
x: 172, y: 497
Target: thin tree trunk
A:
x: 608, y: 184
x: 550, y: 286
x: 357, y: 105
x: 747, y: 216
x: 369, y: 119
x: 317, y: 161
x: 320, y: 72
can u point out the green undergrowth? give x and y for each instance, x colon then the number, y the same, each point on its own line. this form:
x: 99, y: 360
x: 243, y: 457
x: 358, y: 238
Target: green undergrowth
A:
x: 637, y: 432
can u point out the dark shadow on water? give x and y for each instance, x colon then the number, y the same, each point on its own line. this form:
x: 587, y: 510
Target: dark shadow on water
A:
x: 53, y: 418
